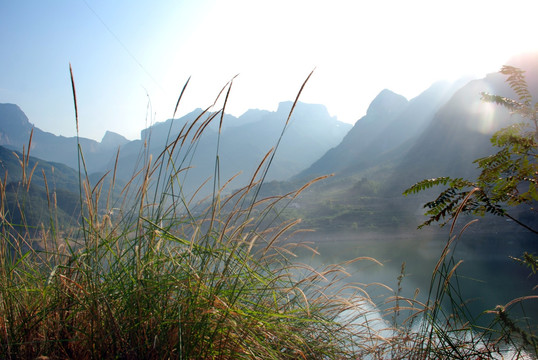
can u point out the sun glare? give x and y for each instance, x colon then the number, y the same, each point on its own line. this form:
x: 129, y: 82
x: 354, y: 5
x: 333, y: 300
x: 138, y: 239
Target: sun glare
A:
x: 486, y: 112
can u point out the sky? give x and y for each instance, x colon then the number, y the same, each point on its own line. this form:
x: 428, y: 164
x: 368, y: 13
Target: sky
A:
x: 130, y: 59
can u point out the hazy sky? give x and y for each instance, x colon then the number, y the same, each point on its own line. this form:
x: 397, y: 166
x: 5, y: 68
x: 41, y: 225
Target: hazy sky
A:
x: 131, y: 58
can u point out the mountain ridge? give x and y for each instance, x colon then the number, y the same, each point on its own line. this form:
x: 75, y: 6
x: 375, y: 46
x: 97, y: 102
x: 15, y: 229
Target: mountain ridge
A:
x: 15, y: 130
x: 390, y: 121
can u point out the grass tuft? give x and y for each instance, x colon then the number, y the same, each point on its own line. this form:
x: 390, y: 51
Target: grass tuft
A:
x: 157, y: 273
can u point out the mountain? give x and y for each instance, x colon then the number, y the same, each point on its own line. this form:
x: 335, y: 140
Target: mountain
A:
x: 460, y: 131
x: 309, y: 134
x: 397, y: 143
x: 383, y: 110
x: 390, y: 122
x: 112, y: 140
x: 242, y: 143
x: 15, y: 129
x: 439, y: 133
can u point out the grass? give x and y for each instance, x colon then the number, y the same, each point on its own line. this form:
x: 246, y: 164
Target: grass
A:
x: 159, y: 274
x: 171, y: 277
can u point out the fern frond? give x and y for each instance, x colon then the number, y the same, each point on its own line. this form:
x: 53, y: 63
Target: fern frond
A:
x: 516, y: 80
x: 426, y: 184
x: 508, y: 103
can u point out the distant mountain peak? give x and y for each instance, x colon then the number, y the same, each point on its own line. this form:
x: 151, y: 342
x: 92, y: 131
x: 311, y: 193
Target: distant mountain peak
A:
x: 112, y: 139
x: 386, y: 101
x: 15, y: 127
x: 14, y: 114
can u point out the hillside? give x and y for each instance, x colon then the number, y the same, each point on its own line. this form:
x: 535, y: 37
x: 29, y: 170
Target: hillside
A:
x: 53, y: 192
x: 385, y: 153
x: 390, y: 122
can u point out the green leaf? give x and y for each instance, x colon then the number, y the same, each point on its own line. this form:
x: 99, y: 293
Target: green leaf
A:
x: 426, y: 184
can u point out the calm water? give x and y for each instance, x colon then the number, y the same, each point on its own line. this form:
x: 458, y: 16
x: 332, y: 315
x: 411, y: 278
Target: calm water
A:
x: 487, y: 276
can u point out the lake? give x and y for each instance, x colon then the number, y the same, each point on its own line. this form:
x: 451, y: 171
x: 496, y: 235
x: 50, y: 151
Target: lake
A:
x: 487, y: 276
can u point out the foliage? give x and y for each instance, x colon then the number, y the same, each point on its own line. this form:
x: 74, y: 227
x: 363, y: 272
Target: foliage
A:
x: 507, y: 178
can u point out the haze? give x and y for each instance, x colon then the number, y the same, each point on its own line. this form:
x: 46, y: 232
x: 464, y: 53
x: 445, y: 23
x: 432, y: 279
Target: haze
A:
x: 131, y: 59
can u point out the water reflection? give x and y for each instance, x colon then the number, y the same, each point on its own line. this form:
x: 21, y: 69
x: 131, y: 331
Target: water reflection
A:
x: 487, y: 277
